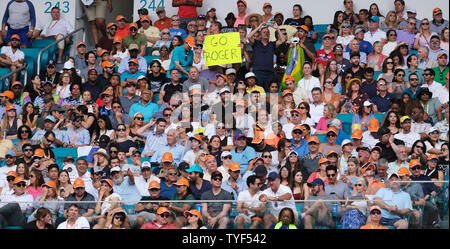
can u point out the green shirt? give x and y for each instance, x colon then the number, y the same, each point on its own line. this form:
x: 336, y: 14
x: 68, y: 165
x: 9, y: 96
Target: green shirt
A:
x: 141, y: 40
x: 180, y: 204
x: 438, y: 77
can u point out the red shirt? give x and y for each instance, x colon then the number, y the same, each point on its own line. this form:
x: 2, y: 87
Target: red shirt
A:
x: 163, y: 24
x: 122, y: 33
x: 187, y: 11
x: 323, y: 57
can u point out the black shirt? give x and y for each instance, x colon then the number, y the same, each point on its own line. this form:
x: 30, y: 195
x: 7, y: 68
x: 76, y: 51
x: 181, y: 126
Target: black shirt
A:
x: 170, y: 89
x: 387, y: 152
x: 155, y: 83
x: 294, y: 22
x: 32, y: 225
x: 95, y: 89
x: 358, y: 74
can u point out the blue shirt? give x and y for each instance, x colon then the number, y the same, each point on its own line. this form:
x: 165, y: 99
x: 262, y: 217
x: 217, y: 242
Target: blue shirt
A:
x: 411, y: 94
x: 123, y: 66
x: 364, y: 46
x: 185, y: 58
x: 77, y: 137
x: 302, y: 149
x: 166, y: 190
x: 241, y: 187
x: 401, y: 199
x: 127, y: 191
x: 243, y: 157
x: 383, y: 104
x: 177, y: 153
x: 197, y: 193
x: 146, y: 110
x: 127, y: 75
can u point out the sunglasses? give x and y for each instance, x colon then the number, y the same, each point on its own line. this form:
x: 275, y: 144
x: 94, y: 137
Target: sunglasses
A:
x: 21, y: 185
x: 390, y: 62
x: 331, y: 175
x: 119, y: 218
x: 113, y: 151
x: 165, y: 33
x: 79, y: 188
x: 10, y: 179
x: 216, y: 179
x: 8, y: 157
x: 130, y: 85
x: 401, y: 75
x: 191, y: 215
x: 167, y: 115
x: 139, y: 118
x: 331, y: 135
x: 172, y: 174
x: 375, y: 212
x: 24, y: 131
x: 227, y: 157
x: 358, y: 185
x: 426, y: 74
x: 425, y: 23
x: 414, y: 79
x: 298, y: 132
x: 267, y: 156
x: 164, y: 215
x: 133, y: 29
x: 345, y: 26
x: 122, y: 129
x: 415, y: 168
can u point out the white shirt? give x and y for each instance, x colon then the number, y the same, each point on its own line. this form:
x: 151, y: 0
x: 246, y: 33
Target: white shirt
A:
x: 276, y: 206
x: 55, y: 27
x: 344, y: 40
x: 438, y: 91
x: 252, y: 202
x: 316, y: 112
x: 17, y: 56
x: 142, y: 184
x: 80, y: 223
x: 308, y: 85
x: 409, y: 138
x: 369, y: 140
x: 189, y: 157
x: 108, y: 202
x: 373, y: 37
x: 25, y: 200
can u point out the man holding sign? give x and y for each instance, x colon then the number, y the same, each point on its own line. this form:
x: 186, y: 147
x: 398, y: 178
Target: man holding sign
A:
x: 222, y: 49
x: 263, y: 53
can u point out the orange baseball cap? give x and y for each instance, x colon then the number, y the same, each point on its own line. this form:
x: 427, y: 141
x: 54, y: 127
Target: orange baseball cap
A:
x: 209, y: 157
x: 162, y: 210
x: 194, y: 212
x: 106, y: 93
x: 111, y: 24
x: 11, y: 173
x: 289, y: 77
x: 39, y: 153
x: 331, y: 152
x: 102, y: 52
x: 81, y: 43
x: 182, y: 181
x: 78, y: 183
x: 287, y: 91
x: 197, y: 137
x: 234, y: 166
x: 117, y: 39
x: 134, y: 60
x: 145, y: 18
x: 120, y: 17
x: 18, y: 179
x: 433, y: 156
x: 107, y: 64
x: 242, y: 1
x: 332, y: 129
x: 16, y: 83
x: 190, y: 40
x: 414, y: 162
x: 374, y: 125
x: 304, y: 27
x: 369, y: 165
x: 51, y: 184
x: 357, y: 133
x: 10, y: 107
x: 297, y: 127
x: 167, y: 157
x: 240, y: 102
x: 222, y: 75
x: 15, y: 36
x: 403, y: 171
x: 8, y: 94
x: 109, y: 181
x: 267, y: 4
x: 323, y: 160
x: 258, y: 137
x: 314, y: 139
x: 133, y: 25
x: 154, y: 184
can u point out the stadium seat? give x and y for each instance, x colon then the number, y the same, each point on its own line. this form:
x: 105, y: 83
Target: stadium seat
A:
x: 346, y: 120
x: 4, y: 83
x: 34, y: 52
x: 129, y: 209
x: 149, y: 58
x: 12, y: 227
x: 44, y: 43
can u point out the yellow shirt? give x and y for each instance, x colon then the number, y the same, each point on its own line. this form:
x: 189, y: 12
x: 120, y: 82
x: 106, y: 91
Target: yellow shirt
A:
x: 257, y: 88
x: 150, y: 32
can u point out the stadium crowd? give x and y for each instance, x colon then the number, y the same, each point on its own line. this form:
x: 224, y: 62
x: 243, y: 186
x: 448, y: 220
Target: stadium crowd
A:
x: 256, y: 139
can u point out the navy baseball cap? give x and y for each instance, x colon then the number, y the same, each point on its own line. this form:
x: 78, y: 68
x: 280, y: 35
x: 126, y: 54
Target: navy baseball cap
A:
x: 316, y: 181
x: 260, y: 171
x: 51, y: 63
x: 273, y: 176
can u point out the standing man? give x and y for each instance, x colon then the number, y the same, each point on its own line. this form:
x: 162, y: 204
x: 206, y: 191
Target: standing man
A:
x: 19, y: 14
x: 187, y: 10
x: 349, y: 14
x: 263, y: 53
x: 96, y: 13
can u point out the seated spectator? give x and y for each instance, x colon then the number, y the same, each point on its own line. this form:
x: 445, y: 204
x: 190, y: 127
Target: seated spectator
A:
x: 11, y: 56
x: 42, y: 220
x: 145, y: 211
x: 162, y: 220
x: 374, y: 217
x: 194, y: 220
x: 318, y: 213
x: 74, y: 220
x: 286, y: 220
x: 124, y: 66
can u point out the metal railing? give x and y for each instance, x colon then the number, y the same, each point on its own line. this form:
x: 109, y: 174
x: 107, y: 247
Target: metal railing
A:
x: 24, y: 67
x: 54, y: 43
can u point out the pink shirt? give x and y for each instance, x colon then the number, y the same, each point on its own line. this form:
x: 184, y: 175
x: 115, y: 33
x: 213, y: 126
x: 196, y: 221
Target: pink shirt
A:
x: 239, y: 20
x: 313, y: 176
x: 322, y: 124
x: 34, y: 192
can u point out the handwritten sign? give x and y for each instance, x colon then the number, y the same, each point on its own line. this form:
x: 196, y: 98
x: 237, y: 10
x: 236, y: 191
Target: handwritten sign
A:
x: 222, y: 49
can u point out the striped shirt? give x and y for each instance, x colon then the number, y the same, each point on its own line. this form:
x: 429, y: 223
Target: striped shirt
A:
x: 153, y: 141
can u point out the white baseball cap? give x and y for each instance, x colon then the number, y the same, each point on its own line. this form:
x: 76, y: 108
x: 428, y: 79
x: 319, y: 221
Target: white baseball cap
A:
x: 230, y: 71
x: 116, y: 169
x: 249, y: 74
x: 367, y: 103
x: 68, y: 65
x: 146, y: 164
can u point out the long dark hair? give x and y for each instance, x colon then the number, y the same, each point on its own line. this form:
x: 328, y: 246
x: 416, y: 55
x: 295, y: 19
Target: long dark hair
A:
x: 414, y: 145
x: 386, y: 121
x: 378, y: 10
x: 25, y: 113
x: 30, y: 89
x: 335, y: 24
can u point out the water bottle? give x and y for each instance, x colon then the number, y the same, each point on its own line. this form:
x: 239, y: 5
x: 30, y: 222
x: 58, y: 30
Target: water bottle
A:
x: 198, y: 207
x: 335, y: 210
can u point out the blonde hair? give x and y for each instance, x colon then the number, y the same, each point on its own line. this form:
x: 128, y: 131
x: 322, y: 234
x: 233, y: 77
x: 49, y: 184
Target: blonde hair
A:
x: 345, y: 23
x: 386, y: 20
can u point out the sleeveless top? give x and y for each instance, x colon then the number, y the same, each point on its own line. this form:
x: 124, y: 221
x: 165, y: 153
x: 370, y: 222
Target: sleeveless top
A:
x: 13, y: 129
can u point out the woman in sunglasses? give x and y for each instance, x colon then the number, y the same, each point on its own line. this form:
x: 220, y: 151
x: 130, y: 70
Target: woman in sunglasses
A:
x: 391, y: 37
x: 424, y: 36
x: 194, y: 219
x: 432, y: 143
x: 117, y: 219
x: 374, y: 219
x: 24, y: 135
x: 124, y: 142
x: 36, y: 183
x: 418, y: 152
x: 10, y: 122
x: 345, y: 34
x: 137, y: 122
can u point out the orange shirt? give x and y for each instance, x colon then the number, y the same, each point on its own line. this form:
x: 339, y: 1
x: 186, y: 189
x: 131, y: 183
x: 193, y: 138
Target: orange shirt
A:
x: 163, y: 24
x: 122, y: 33
x: 370, y: 226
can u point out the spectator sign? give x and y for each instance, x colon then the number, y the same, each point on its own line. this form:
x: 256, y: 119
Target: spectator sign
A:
x: 222, y: 49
